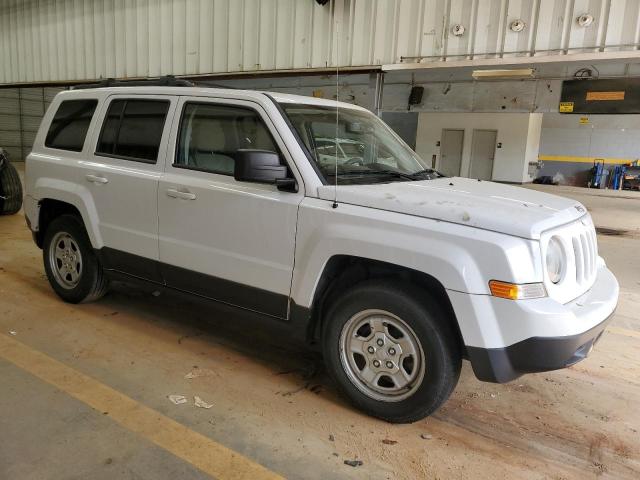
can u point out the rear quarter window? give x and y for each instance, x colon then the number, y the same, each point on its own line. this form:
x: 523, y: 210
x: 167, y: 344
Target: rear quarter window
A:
x: 70, y: 124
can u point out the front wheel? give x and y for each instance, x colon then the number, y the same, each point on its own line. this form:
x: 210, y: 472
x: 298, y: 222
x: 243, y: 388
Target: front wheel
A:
x: 392, y: 350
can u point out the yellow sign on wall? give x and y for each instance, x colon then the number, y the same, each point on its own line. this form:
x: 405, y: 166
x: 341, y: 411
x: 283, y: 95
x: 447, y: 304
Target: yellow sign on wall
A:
x: 584, y: 120
x: 566, y: 107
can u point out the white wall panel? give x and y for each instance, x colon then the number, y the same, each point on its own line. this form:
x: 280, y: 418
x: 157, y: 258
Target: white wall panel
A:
x: 72, y: 40
x: 514, y: 130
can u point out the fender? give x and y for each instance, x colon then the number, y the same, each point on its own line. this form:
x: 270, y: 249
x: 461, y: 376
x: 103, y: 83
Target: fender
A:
x: 73, y: 194
x: 461, y: 258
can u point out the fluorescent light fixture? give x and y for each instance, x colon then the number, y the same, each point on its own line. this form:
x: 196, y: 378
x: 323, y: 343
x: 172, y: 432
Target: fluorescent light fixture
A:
x: 504, y: 73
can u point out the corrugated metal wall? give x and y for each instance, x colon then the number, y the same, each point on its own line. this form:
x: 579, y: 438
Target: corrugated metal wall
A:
x: 58, y: 40
x: 21, y: 110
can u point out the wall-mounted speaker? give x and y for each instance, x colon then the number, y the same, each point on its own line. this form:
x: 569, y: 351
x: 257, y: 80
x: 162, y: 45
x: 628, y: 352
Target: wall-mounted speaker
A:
x: 415, y: 97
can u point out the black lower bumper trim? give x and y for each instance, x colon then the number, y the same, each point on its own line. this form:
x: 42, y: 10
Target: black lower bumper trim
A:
x: 536, y: 354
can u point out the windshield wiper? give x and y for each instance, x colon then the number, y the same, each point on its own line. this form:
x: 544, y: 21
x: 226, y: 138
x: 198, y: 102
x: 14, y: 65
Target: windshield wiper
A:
x: 377, y: 172
x: 429, y: 171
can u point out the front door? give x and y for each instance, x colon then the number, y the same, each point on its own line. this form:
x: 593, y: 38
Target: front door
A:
x: 483, y: 152
x: 227, y: 240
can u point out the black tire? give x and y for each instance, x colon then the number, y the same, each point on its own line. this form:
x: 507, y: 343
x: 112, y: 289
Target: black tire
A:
x: 11, y: 189
x: 432, y: 329
x: 92, y: 284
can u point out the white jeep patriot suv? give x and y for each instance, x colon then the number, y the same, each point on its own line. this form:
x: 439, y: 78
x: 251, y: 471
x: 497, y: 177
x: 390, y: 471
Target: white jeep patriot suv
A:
x: 396, y: 272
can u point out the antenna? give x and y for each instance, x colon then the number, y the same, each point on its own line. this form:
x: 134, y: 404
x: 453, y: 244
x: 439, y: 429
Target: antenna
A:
x: 335, y: 174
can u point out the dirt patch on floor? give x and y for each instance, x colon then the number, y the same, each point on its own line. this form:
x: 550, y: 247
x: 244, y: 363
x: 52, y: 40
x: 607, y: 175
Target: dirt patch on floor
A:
x: 613, y: 232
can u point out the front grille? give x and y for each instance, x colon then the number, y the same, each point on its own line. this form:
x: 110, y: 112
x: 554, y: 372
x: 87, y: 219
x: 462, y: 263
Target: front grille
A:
x: 585, y: 250
x: 578, y: 240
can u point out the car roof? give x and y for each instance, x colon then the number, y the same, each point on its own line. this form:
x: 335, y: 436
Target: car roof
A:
x: 207, y: 92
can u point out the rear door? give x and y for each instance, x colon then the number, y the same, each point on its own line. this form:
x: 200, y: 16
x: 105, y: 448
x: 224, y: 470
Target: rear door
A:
x: 121, y: 175
x: 220, y: 238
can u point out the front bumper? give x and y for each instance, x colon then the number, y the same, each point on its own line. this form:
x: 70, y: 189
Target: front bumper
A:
x: 511, y: 338
x: 537, y: 354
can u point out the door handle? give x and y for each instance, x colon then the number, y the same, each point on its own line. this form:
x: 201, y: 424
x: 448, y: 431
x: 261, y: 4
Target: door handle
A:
x: 96, y: 179
x: 175, y: 193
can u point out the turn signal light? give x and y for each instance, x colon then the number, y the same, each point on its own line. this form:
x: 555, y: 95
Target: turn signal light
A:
x: 513, y: 291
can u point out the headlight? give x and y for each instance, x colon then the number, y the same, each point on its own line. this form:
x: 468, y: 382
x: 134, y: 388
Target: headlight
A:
x: 555, y: 260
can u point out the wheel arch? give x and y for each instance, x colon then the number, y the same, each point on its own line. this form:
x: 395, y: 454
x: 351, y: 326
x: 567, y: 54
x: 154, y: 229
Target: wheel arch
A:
x: 342, y: 271
x: 55, y: 197
x: 50, y: 209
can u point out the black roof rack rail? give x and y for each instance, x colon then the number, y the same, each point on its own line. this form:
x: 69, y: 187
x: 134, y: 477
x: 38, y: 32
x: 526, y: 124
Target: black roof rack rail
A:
x: 166, y: 81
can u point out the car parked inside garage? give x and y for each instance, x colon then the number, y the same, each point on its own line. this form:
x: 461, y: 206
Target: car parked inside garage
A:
x: 396, y: 272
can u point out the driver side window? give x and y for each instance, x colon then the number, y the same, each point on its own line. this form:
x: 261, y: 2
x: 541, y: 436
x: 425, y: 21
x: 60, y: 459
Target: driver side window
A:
x: 210, y: 136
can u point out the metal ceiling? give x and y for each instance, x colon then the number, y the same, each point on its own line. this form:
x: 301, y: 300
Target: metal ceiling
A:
x: 75, y: 40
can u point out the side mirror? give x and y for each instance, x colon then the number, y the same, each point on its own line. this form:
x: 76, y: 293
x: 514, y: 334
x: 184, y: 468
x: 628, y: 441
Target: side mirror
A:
x: 260, y: 166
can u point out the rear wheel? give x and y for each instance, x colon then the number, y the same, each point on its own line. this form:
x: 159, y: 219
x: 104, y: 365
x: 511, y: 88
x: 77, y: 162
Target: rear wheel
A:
x: 72, y: 267
x: 10, y: 190
x: 391, y: 350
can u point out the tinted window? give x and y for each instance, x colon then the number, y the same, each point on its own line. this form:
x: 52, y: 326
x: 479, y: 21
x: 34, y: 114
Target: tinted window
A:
x: 210, y: 136
x: 133, y: 129
x: 70, y: 124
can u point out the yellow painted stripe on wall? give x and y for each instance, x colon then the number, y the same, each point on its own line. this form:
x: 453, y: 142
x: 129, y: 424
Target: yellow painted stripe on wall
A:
x: 200, y: 451
x: 568, y: 158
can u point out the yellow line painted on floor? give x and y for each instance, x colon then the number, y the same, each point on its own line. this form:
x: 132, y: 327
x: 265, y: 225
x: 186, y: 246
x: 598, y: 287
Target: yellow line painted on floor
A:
x: 198, y: 450
x: 624, y: 331
x: 568, y: 158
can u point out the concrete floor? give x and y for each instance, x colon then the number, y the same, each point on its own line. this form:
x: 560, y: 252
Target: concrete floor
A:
x: 615, y: 210
x: 81, y: 378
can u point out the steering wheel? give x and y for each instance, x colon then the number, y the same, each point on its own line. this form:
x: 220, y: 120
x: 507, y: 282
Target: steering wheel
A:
x: 356, y: 161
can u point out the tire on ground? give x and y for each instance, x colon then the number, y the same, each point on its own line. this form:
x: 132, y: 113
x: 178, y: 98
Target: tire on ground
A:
x: 92, y: 283
x: 433, y: 330
x: 11, y: 189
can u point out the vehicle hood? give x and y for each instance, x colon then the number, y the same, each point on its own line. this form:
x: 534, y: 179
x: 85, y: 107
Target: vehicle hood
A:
x: 487, y: 205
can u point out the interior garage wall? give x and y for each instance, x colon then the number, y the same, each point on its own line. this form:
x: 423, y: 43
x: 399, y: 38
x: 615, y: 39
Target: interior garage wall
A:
x: 571, y: 143
x: 21, y: 110
x: 519, y: 134
x: 74, y: 40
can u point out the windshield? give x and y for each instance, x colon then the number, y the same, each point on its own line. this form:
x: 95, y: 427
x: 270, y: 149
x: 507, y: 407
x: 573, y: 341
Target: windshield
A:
x: 363, y: 148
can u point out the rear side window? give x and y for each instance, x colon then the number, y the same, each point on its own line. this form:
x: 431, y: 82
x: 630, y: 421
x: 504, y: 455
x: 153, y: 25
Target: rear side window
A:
x: 70, y: 124
x: 211, y: 135
x: 132, y: 129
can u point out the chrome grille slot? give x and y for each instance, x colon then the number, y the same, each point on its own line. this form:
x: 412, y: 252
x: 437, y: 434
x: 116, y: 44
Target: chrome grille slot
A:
x: 585, y: 253
x: 594, y: 248
x: 577, y: 252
